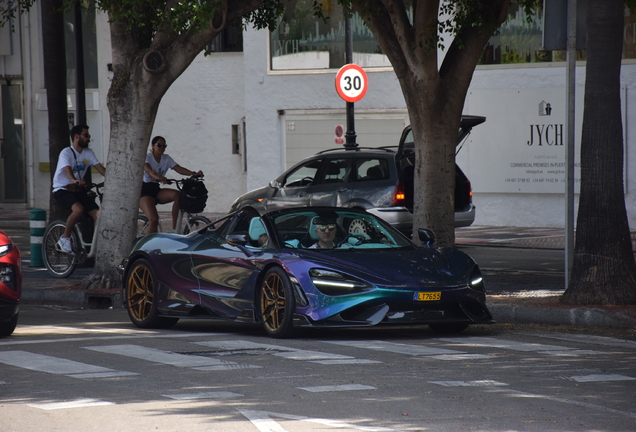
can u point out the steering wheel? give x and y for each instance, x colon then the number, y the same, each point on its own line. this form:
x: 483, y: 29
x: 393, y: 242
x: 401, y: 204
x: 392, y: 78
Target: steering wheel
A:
x: 360, y: 238
x: 306, y: 180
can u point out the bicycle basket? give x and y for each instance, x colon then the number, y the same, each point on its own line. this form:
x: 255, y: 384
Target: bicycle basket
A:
x: 193, y: 196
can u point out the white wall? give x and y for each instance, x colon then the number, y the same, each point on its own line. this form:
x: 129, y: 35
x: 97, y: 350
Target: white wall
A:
x: 219, y: 90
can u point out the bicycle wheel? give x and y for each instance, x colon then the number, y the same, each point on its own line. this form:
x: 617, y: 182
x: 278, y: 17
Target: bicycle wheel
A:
x: 142, y: 225
x: 195, y: 223
x: 59, y: 263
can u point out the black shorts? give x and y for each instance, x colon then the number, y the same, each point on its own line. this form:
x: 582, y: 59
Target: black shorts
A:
x: 150, y: 189
x: 67, y: 198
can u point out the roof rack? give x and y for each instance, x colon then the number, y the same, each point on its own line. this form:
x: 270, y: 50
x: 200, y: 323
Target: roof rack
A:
x: 387, y: 149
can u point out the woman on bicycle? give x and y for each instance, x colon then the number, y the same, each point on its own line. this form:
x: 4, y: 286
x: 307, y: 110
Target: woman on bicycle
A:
x: 155, y: 168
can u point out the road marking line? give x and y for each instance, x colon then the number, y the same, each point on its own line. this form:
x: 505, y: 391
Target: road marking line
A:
x: 345, y: 361
x: 137, y: 335
x: 600, y: 378
x: 48, y: 364
x: 263, y: 421
x: 203, y: 395
x: 79, y: 403
x: 103, y: 375
x: 227, y: 367
x: 286, y: 352
x: 158, y: 356
x: 501, y: 343
x: 462, y: 356
x: 344, y: 387
x: 478, y: 383
x: 397, y: 348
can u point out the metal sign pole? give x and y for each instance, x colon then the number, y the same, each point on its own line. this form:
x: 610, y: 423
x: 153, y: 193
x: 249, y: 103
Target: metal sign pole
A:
x: 350, y: 135
x: 569, y: 154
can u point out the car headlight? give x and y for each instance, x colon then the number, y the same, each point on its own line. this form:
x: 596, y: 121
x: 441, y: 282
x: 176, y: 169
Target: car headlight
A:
x: 5, y: 249
x: 476, y: 281
x: 332, y: 283
x: 8, y: 275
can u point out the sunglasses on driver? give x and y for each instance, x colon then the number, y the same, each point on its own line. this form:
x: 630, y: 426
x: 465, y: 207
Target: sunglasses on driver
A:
x: 324, y: 228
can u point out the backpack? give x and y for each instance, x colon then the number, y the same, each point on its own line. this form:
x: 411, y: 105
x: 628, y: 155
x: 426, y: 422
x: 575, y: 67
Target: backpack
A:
x: 193, y: 196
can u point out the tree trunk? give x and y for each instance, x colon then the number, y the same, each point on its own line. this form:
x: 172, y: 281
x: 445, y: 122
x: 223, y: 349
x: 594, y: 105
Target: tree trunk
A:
x: 435, y: 130
x: 604, y: 270
x: 434, y: 93
x: 133, y: 104
x: 55, y: 83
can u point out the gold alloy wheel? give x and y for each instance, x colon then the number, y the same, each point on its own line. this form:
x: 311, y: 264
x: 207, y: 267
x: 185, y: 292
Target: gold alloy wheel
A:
x: 140, y: 292
x: 273, y: 301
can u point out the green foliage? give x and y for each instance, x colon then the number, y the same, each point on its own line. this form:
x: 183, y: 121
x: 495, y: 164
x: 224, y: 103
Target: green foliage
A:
x: 10, y: 9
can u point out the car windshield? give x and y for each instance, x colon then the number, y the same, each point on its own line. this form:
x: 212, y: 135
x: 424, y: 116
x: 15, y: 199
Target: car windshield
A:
x: 351, y: 230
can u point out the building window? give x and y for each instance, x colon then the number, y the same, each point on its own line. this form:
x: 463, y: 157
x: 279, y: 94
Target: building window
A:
x: 89, y: 40
x: 229, y: 40
x: 302, y: 41
x: 519, y: 41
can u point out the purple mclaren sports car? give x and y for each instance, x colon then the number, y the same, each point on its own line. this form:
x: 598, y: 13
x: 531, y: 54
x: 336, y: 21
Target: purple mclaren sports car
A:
x: 302, y: 267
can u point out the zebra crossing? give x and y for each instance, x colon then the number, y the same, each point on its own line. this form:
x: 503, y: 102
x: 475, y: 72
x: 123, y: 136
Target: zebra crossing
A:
x: 209, y: 354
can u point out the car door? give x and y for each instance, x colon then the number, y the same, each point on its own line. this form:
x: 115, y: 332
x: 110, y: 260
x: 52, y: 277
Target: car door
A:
x: 376, y: 178
x: 223, y: 269
x: 294, y: 189
x: 333, y: 186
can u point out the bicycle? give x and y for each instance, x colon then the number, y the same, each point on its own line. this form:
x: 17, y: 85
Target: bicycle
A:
x: 61, y: 264
x: 193, y: 221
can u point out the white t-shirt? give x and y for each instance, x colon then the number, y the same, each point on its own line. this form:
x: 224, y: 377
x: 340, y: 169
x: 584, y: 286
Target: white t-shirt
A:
x: 79, y: 163
x: 160, y: 167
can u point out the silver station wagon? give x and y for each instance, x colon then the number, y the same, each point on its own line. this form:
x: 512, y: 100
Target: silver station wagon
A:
x: 379, y: 180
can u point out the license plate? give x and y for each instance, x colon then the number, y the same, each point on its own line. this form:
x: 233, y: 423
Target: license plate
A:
x: 427, y: 296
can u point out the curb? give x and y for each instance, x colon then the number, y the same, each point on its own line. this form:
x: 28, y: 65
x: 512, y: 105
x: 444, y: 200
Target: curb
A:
x: 580, y: 316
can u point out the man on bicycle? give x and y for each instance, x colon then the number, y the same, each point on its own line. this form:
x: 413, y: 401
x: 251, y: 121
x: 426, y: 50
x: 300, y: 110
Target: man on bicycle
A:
x: 69, y: 186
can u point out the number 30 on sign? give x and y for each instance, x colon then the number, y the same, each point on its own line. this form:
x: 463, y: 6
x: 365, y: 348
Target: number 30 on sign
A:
x: 351, y: 83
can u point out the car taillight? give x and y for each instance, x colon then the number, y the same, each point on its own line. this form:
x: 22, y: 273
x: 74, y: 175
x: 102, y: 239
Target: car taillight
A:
x: 398, y: 195
x: 470, y: 191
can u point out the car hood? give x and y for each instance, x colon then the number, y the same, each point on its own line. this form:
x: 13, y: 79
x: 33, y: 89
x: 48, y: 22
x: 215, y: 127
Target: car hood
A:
x: 251, y: 196
x: 400, y: 268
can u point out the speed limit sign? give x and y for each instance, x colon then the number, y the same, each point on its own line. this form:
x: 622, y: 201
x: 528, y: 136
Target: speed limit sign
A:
x: 351, y: 83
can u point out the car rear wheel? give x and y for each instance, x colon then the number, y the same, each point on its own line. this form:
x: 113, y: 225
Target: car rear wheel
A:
x: 142, y: 298
x: 277, y: 303
x: 448, y: 328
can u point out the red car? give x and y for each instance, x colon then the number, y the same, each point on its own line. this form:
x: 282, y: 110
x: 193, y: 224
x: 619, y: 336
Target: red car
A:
x: 10, y: 284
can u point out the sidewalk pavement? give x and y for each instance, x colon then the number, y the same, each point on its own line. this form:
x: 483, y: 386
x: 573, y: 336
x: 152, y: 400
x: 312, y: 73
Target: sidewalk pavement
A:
x: 534, y: 307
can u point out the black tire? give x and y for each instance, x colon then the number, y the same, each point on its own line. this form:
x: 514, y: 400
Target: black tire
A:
x: 59, y: 264
x: 277, y: 304
x: 7, y: 327
x: 142, y: 297
x: 142, y: 225
x: 195, y: 223
x: 448, y: 328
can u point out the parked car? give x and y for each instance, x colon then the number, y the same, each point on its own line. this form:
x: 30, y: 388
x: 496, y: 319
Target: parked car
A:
x: 379, y: 277
x: 10, y: 284
x: 379, y: 180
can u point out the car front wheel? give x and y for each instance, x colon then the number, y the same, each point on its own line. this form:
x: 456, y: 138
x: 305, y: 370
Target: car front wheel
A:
x: 277, y: 303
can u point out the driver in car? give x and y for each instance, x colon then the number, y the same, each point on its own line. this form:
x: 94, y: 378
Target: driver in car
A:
x: 326, y: 231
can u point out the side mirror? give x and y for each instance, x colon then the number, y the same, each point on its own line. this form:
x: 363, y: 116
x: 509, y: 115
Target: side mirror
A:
x: 274, y: 184
x: 236, y: 239
x: 426, y: 236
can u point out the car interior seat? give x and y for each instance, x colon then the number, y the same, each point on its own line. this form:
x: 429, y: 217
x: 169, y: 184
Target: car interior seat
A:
x: 374, y: 173
x: 256, y: 229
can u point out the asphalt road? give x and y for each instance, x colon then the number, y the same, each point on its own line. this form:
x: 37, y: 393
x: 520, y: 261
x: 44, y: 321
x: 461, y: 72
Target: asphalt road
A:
x: 92, y: 370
